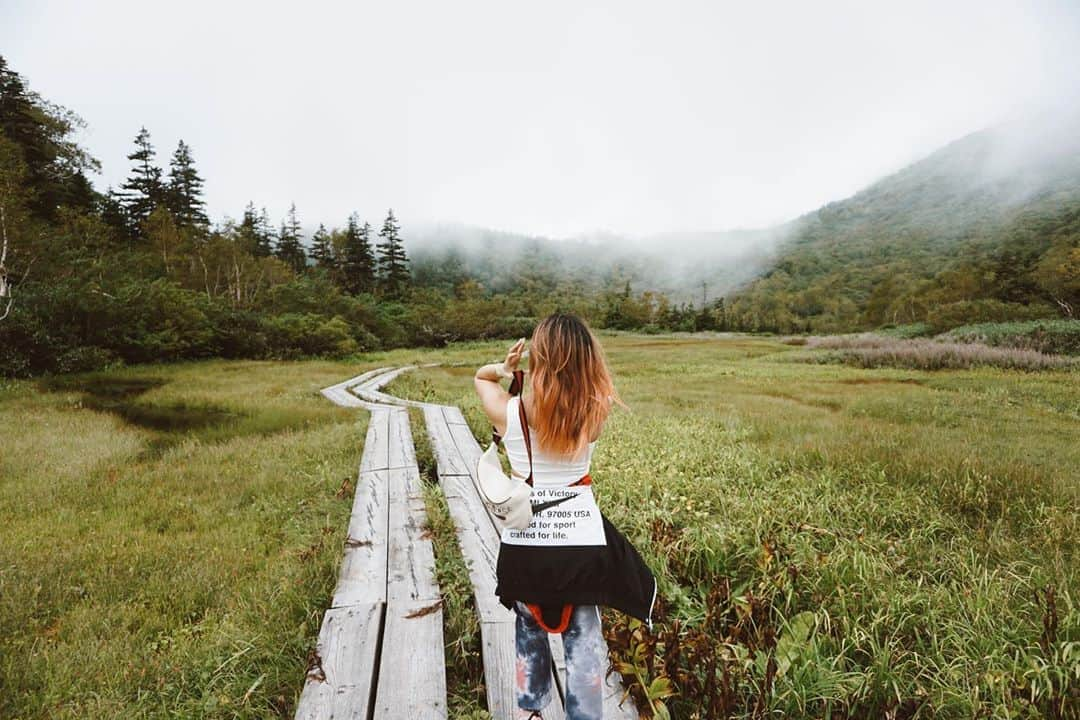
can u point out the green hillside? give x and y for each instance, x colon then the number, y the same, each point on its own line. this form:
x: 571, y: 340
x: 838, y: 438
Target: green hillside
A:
x: 985, y: 229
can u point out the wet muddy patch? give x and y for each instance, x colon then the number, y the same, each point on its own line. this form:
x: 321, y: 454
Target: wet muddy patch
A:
x: 168, y: 423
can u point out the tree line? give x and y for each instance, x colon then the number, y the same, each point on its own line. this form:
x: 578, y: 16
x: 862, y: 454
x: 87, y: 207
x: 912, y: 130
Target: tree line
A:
x: 140, y: 273
x: 161, y: 212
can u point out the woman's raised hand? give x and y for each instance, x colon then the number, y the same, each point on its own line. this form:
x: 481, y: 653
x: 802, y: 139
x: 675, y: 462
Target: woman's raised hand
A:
x: 513, y: 356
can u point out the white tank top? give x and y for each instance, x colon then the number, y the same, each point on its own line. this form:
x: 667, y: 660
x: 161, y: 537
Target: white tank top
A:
x: 548, y: 470
x: 576, y: 519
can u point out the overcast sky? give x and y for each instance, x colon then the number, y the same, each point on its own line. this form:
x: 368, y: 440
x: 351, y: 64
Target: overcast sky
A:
x: 545, y: 117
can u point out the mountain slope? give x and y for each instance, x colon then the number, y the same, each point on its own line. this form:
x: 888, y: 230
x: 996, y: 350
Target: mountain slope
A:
x: 975, y: 231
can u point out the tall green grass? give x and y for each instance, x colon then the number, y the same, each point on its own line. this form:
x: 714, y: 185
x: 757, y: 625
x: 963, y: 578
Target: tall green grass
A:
x: 171, y: 536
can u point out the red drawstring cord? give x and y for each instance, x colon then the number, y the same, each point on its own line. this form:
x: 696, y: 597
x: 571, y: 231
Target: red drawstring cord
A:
x: 564, y: 619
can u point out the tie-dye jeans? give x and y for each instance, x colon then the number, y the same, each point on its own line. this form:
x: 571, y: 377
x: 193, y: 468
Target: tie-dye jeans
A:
x: 586, y: 660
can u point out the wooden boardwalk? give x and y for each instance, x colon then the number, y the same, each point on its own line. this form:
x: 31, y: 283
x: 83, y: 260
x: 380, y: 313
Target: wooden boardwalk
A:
x: 388, y: 567
x: 380, y: 652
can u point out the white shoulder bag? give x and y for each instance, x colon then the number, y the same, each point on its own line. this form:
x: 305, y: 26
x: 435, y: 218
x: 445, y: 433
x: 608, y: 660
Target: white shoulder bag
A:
x: 507, y: 497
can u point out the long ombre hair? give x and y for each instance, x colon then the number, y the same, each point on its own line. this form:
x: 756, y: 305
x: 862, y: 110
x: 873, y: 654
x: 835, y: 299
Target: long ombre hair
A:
x: 572, y: 389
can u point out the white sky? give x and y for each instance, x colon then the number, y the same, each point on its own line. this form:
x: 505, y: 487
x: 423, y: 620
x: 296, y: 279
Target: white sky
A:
x: 544, y: 117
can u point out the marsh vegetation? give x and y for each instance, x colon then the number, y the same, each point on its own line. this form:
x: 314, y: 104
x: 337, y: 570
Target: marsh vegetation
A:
x: 830, y: 540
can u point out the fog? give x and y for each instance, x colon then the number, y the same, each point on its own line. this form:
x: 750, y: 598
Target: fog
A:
x: 562, y: 119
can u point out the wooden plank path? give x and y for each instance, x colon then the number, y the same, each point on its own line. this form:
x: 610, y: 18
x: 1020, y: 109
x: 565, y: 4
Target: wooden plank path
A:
x: 388, y: 564
x: 380, y: 652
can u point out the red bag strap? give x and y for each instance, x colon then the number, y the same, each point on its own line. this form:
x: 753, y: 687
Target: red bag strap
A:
x: 517, y: 383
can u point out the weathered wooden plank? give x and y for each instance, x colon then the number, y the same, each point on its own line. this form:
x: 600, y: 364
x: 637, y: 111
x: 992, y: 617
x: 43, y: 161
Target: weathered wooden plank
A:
x: 370, y: 390
x: 376, y: 454
x: 377, y: 379
x: 410, y: 558
x: 495, y: 522
x: 388, y: 556
x: 412, y: 669
x: 402, y: 452
x: 339, y: 393
x: 453, y: 415
x: 466, y: 445
x: 558, y: 662
x: 499, y: 658
x: 362, y: 578
x: 473, y: 514
x: 473, y: 532
x: 465, y: 465
x: 367, y: 390
x: 341, y: 675
x: 384, y: 379
x: 448, y: 459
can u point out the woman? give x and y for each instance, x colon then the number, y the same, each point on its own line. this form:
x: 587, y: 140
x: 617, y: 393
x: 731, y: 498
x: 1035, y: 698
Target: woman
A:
x: 556, y: 573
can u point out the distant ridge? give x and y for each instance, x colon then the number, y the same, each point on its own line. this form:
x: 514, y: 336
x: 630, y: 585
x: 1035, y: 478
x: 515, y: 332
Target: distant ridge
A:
x: 977, y: 222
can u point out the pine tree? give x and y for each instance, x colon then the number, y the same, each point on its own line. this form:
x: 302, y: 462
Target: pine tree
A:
x: 294, y: 226
x: 55, y: 164
x: 321, y: 250
x: 289, y: 249
x: 393, y: 264
x: 143, y: 190
x: 113, y: 213
x: 264, y: 235
x: 247, y: 232
x: 358, y: 259
x: 184, y: 192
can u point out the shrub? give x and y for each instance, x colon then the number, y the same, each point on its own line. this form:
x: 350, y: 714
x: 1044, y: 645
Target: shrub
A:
x: 1048, y: 336
x: 512, y: 327
x: 298, y: 334
x: 911, y: 330
x: 240, y: 334
x: 395, y: 324
x: 872, y: 351
x: 366, y: 341
x: 846, y: 342
x: 952, y: 315
x: 28, y: 345
x: 85, y: 359
x: 157, y: 321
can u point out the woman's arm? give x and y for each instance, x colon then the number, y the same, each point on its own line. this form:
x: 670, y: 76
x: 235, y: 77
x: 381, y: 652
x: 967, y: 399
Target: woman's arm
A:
x: 492, y: 395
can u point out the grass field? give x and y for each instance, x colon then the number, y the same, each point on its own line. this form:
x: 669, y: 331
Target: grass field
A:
x: 852, y: 541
